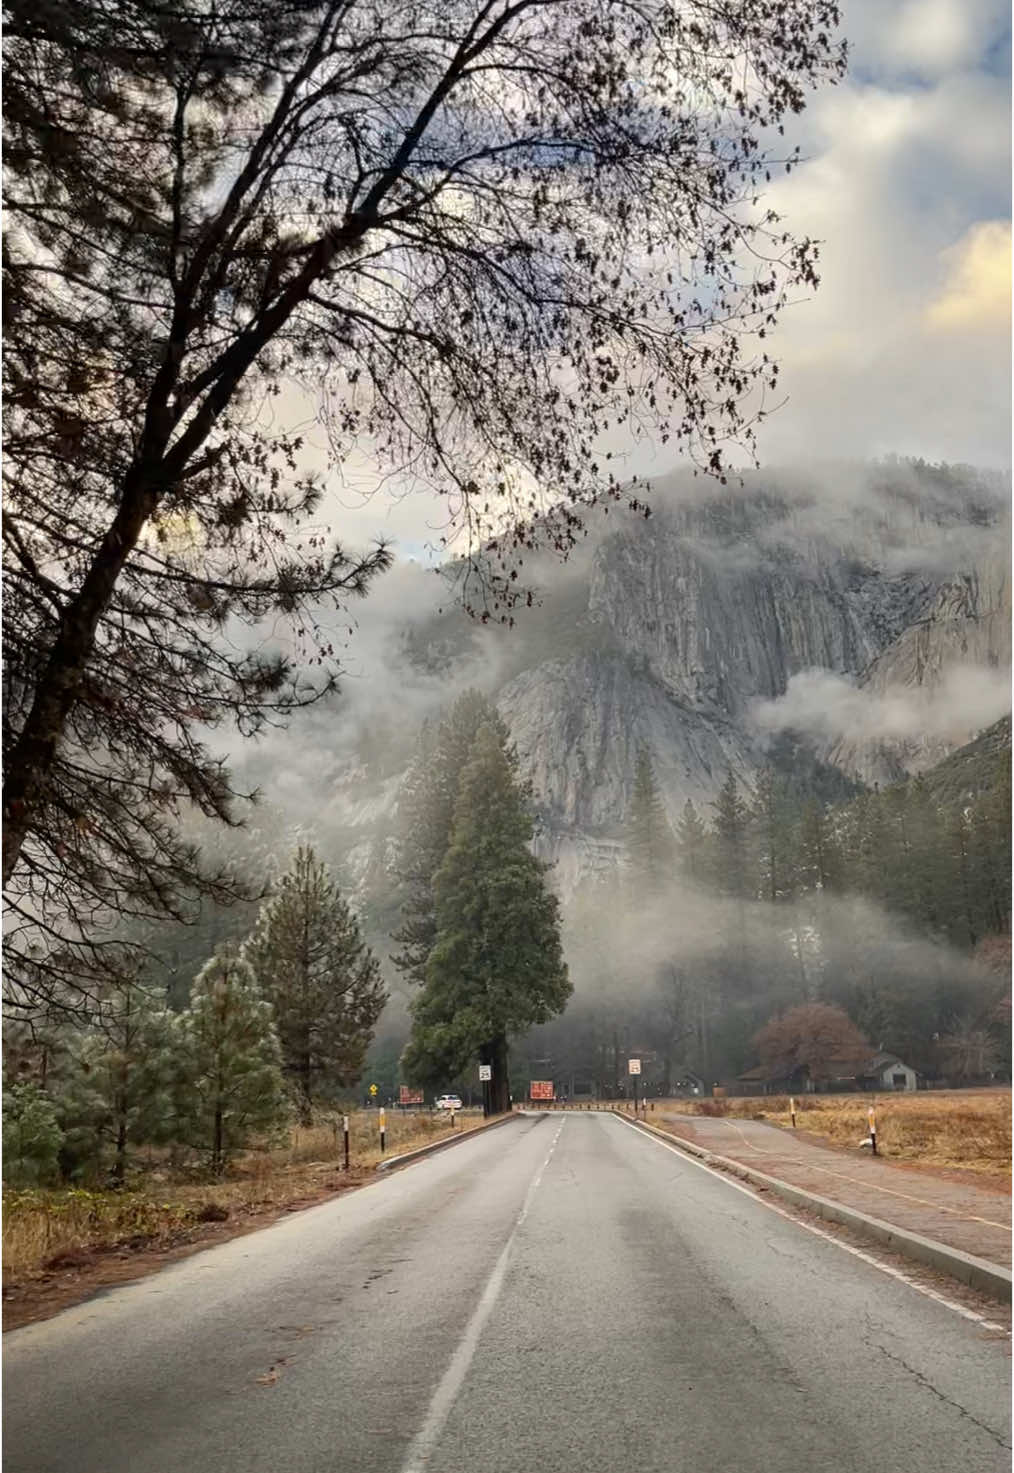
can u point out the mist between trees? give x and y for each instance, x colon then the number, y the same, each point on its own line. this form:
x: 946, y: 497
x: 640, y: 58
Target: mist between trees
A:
x: 446, y: 223
x: 892, y: 906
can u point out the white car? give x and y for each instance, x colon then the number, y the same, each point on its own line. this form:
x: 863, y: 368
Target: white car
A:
x: 448, y: 1102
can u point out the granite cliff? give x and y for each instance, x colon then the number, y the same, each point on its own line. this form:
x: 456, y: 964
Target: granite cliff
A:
x: 864, y: 607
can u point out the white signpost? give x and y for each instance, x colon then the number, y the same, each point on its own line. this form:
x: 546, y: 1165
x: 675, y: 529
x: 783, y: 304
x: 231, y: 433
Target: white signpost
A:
x: 486, y: 1080
x: 634, y: 1069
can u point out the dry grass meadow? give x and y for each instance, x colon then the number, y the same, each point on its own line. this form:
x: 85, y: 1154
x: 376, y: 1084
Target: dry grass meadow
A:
x: 966, y: 1129
x: 46, y: 1231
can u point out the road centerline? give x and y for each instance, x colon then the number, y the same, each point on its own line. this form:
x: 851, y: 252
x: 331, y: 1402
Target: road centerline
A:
x: 443, y: 1399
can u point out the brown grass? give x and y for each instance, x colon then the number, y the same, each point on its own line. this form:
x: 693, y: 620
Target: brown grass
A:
x: 969, y: 1129
x: 53, y: 1230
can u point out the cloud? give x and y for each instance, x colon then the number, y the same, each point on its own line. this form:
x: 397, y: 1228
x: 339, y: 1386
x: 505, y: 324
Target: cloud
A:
x: 831, y: 707
x: 929, y: 37
x: 904, y: 347
x: 976, y: 293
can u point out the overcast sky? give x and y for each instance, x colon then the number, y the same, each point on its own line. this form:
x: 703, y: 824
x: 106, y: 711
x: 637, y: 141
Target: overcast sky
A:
x: 905, y: 348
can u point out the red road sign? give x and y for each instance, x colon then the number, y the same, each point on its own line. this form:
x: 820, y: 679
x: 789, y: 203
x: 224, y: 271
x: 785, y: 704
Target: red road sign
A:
x: 408, y: 1096
x: 541, y: 1089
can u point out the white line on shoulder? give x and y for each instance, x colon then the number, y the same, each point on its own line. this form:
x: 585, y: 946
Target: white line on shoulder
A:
x: 874, y: 1262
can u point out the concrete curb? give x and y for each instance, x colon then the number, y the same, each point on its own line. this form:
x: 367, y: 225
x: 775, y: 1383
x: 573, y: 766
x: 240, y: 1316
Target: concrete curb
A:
x: 977, y: 1273
x: 451, y: 1140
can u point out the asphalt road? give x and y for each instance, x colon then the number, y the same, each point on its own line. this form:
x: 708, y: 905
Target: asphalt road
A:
x: 561, y: 1295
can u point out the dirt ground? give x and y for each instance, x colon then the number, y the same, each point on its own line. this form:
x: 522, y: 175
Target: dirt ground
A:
x: 73, y: 1275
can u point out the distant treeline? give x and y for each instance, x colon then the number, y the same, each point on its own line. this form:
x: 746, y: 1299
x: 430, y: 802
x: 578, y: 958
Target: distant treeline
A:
x: 893, y: 904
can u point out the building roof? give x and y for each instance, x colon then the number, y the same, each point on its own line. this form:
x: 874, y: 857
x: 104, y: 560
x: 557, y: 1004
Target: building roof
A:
x: 881, y: 1061
x: 839, y: 1066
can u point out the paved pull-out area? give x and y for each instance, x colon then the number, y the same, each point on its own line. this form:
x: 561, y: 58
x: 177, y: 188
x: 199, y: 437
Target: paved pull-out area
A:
x: 563, y: 1294
x: 959, y: 1214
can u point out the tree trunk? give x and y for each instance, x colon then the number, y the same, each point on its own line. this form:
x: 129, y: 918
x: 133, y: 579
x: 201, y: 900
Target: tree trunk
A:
x: 499, y: 1087
x: 29, y: 765
x: 218, y: 1144
x: 31, y: 759
x: 305, y: 1090
x: 120, y: 1161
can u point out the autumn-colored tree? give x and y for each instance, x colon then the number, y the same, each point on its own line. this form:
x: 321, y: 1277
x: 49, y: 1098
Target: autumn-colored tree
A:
x: 808, y: 1037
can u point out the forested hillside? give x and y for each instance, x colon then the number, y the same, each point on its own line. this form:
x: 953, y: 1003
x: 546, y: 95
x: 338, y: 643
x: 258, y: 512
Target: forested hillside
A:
x: 892, y: 903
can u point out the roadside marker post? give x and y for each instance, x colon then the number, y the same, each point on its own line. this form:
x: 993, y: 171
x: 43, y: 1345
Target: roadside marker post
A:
x: 634, y: 1070
x: 792, y: 1110
x: 345, y: 1133
x: 383, y: 1129
x: 872, y: 1118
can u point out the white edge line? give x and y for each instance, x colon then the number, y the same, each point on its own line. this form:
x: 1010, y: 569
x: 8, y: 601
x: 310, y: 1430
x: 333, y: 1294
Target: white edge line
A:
x: 885, y: 1268
x: 425, y: 1442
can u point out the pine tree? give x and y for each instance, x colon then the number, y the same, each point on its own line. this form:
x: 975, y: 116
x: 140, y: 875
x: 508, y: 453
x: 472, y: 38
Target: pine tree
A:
x: 730, y: 829
x: 964, y: 917
x: 231, y: 1078
x: 649, y: 838
x: 692, y: 844
x: 497, y: 965
x: 426, y: 810
x: 31, y: 1136
x: 990, y: 851
x: 323, y: 981
x: 772, y: 829
x: 818, y: 860
x: 115, y: 1095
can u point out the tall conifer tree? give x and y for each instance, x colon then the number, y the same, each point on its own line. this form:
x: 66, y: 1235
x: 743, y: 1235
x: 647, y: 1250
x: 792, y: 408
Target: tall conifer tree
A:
x: 692, y: 843
x: 114, y: 1091
x: 730, y: 828
x: 497, y: 966
x: 650, y: 844
x: 426, y: 808
x: 230, y: 1079
x: 322, y: 979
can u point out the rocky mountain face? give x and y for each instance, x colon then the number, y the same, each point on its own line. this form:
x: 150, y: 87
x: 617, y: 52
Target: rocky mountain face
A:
x: 676, y: 632
x: 842, y: 604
